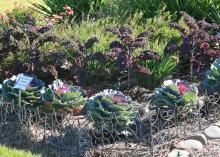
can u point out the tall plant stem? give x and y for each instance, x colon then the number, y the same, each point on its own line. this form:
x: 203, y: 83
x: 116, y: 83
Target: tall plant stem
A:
x: 191, y: 63
x: 129, y: 69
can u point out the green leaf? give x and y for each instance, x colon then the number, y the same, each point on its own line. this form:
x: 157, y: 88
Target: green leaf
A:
x: 189, y: 97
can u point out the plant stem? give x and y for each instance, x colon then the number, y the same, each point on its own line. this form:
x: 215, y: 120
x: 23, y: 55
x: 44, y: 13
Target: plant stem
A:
x: 129, y: 69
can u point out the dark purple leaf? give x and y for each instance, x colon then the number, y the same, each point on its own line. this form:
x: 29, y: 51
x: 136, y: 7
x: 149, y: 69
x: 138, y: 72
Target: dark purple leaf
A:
x: 90, y: 42
x: 116, y: 44
x: 125, y: 29
x: 139, y: 43
x: 148, y: 55
x: 171, y: 47
x: 145, y: 34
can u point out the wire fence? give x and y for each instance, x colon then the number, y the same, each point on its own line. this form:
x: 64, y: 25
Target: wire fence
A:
x: 152, y: 133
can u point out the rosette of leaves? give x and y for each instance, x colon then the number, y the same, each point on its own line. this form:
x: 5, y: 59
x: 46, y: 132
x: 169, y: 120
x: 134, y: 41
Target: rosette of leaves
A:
x: 31, y: 97
x: 175, y: 93
x: 211, y: 83
x: 123, y: 51
x: 197, y: 48
x: 110, y: 110
x: 63, y: 98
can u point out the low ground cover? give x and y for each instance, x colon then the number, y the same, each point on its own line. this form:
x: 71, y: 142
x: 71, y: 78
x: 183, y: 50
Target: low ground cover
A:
x: 8, y: 152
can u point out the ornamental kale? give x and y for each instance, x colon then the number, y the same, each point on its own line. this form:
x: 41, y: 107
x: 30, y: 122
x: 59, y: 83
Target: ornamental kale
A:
x: 175, y: 93
x: 81, y: 57
x: 111, y: 110
x: 63, y: 98
x: 30, y: 97
x: 122, y: 51
x: 20, y: 49
x: 211, y: 83
x: 198, y: 44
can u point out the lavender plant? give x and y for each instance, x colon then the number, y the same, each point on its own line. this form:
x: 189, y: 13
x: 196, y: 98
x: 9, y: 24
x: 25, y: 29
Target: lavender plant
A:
x: 197, y: 46
x: 122, y: 51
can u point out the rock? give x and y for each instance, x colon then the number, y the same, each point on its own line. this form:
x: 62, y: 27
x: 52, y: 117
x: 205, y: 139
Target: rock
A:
x: 189, y: 144
x: 178, y: 153
x: 199, y: 137
x: 212, y: 132
x: 217, y: 124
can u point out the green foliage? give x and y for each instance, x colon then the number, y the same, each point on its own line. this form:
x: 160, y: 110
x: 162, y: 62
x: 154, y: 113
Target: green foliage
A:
x: 211, y: 83
x: 19, y: 14
x: 159, y: 71
x: 175, y: 93
x: 208, y: 9
x: 163, y: 68
x: 9, y: 152
x: 80, y: 7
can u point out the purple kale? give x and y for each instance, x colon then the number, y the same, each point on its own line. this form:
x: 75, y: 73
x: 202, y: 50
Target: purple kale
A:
x: 145, y: 34
x: 122, y: 51
x: 196, y: 46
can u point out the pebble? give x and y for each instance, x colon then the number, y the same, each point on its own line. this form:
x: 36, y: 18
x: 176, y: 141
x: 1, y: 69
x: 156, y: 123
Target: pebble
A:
x: 189, y: 144
x: 217, y: 124
x: 199, y: 137
x: 212, y: 132
x: 178, y: 153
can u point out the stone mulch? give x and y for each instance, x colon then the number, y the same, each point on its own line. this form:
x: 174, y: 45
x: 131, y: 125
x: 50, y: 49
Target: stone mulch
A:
x: 203, y: 144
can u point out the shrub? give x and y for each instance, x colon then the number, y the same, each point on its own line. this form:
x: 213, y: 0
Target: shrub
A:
x: 123, y: 51
x: 197, y: 49
x: 200, y: 9
x: 51, y: 7
x: 21, y: 50
x: 110, y: 110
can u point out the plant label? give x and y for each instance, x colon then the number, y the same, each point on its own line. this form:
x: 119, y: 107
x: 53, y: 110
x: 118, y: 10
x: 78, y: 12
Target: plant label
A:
x: 23, y: 82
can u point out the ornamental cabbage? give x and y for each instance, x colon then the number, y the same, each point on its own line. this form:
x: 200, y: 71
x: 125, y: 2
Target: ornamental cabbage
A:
x: 64, y: 98
x: 110, y: 110
x: 175, y: 93
x: 211, y: 83
x: 31, y: 96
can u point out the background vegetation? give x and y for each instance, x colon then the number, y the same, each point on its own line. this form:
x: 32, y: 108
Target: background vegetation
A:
x: 92, y: 18
x: 9, y: 4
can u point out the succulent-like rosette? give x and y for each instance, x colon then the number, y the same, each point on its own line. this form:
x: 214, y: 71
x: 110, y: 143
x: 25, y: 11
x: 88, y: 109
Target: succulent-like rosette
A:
x: 63, y: 98
x: 211, y: 83
x: 31, y: 96
x: 111, y: 110
x: 175, y: 93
